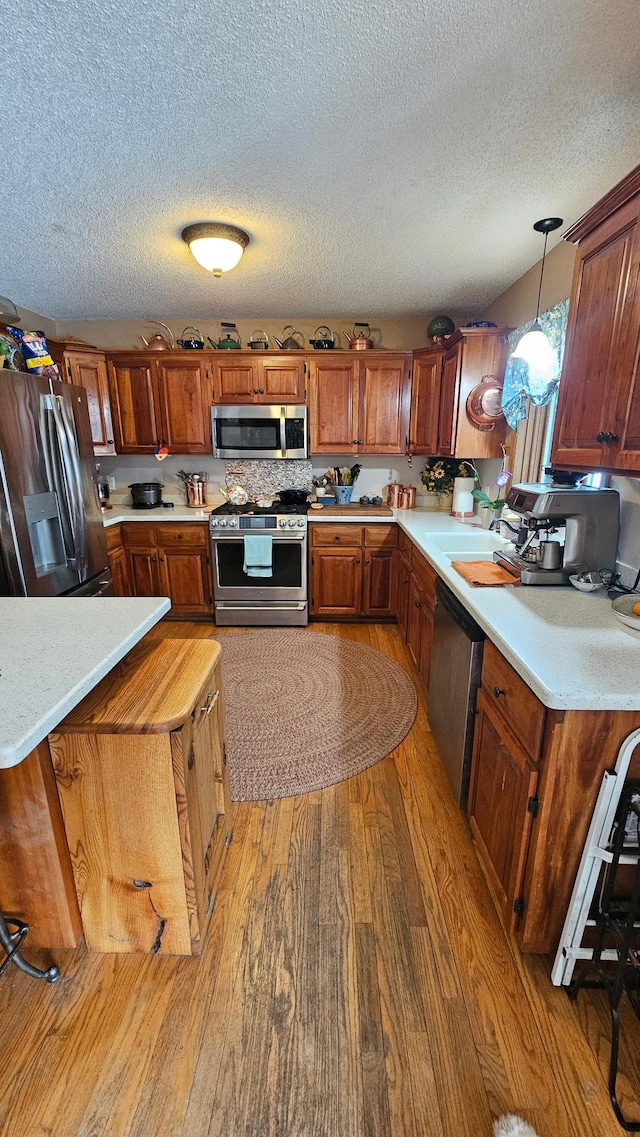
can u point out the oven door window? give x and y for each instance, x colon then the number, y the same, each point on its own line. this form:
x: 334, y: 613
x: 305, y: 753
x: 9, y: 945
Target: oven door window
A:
x: 287, y: 566
x: 247, y: 434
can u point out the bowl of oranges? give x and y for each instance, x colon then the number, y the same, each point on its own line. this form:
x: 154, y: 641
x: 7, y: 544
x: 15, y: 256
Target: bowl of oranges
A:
x: 627, y: 609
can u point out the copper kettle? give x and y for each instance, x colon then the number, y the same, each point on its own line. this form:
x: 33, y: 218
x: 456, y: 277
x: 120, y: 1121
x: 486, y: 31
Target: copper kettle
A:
x: 159, y: 342
x: 361, y: 338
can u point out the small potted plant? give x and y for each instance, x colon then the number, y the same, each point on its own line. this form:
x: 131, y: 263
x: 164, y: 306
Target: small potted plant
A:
x: 490, y: 507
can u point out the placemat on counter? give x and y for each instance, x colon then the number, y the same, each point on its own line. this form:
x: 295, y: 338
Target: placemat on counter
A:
x: 484, y: 573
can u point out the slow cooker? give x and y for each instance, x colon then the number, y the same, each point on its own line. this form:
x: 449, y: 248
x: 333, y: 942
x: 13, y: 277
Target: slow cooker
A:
x: 146, y: 495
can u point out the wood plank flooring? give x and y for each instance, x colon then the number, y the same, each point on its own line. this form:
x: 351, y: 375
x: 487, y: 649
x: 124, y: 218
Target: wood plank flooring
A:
x: 356, y: 982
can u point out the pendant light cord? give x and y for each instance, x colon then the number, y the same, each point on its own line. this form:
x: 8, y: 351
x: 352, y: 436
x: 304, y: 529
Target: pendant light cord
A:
x: 544, y: 253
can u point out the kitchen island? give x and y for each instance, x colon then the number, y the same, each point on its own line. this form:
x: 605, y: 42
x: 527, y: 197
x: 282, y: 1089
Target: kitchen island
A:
x: 53, y: 652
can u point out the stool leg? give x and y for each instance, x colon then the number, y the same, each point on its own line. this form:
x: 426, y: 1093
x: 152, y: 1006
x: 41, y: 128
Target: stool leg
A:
x: 11, y: 941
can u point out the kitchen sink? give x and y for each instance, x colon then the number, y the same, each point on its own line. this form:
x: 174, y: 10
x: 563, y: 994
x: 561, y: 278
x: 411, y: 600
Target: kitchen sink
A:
x: 467, y: 542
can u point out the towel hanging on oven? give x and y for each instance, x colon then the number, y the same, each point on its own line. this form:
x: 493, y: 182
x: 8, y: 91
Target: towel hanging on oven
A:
x: 258, y: 554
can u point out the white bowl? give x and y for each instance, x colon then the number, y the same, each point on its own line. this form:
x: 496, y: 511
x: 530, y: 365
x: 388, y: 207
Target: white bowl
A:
x: 585, y: 585
x: 623, y: 608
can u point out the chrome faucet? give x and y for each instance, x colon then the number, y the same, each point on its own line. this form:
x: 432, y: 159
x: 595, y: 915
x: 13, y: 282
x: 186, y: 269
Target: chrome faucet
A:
x: 497, y: 521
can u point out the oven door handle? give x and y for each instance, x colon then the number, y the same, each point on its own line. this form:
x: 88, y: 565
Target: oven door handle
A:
x: 283, y: 431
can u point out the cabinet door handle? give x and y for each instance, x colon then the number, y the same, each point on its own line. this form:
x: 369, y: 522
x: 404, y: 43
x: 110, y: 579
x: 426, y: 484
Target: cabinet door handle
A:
x: 358, y: 561
x: 210, y: 702
x: 180, y: 536
x: 161, y: 559
x: 498, y: 691
x: 367, y: 560
x: 606, y: 436
x: 110, y: 442
x: 354, y: 441
x: 191, y: 759
x: 418, y: 604
x: 261, y: 391
x: 337, y: 537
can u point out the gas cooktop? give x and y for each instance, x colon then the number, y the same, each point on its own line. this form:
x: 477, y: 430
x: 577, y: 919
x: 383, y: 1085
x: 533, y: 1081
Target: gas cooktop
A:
x: 278, y: 508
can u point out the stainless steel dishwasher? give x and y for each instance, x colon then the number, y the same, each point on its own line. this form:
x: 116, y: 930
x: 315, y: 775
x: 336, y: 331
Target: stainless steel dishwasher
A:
x: 456, y: 663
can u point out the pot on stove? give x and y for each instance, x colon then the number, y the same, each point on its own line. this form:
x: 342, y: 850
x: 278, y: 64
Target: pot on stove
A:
x: 293, y: 497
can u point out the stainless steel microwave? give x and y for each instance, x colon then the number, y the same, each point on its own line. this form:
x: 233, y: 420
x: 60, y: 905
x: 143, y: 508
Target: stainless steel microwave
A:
x: 259, y: 432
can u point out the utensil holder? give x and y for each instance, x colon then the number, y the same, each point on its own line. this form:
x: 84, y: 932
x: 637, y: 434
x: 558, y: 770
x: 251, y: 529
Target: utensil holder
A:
x: 343, y: 494
x: 196, y: 494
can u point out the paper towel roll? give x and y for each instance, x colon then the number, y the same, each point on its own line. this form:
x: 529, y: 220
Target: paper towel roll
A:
x: 463, y: 500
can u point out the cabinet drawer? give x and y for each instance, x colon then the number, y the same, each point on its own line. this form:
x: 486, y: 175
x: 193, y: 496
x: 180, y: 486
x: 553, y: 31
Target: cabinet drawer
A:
x: 139, y: 534
x: 424, y: 572
x: 404, y: 543
x: 523, y: 713
x: 336, y: 535
x: 195, y: 534
x: 377, y: 536
x: 113, y: 537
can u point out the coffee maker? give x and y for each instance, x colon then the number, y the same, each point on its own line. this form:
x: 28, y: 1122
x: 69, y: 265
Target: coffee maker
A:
x: 586, y: 520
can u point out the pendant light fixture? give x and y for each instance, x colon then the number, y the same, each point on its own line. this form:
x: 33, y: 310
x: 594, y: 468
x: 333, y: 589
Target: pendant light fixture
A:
x: 215, y: 246
x: 534, y: 347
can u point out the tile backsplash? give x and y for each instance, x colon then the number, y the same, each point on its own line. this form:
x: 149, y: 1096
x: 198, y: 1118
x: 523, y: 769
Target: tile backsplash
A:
x: 264, y: 479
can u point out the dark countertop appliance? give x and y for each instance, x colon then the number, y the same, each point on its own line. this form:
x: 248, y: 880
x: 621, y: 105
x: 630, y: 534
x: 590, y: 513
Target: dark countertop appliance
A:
x: 586, y: 520
x: 454, y: 678
x: 52, y: 540
x: 146, y: 495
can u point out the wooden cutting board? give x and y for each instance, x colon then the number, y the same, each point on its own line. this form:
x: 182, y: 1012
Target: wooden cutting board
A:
x: 485, y: 573
x: 353, y: 508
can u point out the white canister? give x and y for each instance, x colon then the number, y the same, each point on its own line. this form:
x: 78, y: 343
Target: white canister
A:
x: 463, y: 500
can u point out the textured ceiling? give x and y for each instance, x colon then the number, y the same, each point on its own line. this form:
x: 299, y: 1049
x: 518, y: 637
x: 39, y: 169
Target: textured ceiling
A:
x: 386, y: 159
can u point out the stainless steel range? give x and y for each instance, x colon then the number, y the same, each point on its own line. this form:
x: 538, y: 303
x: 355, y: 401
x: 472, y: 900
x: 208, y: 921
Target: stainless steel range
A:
x: 270, y: 589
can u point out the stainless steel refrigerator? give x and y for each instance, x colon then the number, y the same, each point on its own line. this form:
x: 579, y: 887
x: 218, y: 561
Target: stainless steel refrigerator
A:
x: 52, y: 539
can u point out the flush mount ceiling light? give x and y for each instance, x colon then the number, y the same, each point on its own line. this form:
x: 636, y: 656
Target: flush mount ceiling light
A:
x: 534, y: 347
x: 215, y: 246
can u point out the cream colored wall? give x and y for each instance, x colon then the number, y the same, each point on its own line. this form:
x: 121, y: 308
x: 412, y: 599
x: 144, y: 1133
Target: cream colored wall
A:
x: 398, y: 334
x: 35, y: 322
x: 517, y: 304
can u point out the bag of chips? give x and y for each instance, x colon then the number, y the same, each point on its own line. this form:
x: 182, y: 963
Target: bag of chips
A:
x: 36, y: 353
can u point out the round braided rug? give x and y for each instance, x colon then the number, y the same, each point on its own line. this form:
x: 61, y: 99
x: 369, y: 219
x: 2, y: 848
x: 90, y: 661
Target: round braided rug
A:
x: 305, y: 710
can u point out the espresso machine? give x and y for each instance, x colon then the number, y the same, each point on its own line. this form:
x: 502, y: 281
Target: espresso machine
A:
x: 584, y: 520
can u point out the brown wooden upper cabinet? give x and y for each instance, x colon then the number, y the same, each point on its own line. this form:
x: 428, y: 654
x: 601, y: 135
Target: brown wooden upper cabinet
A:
x: 88, y: 368
x: 425, y: 401
x: 470, y: 355
x: 598, y: 418
x: 359, y: 405
x: 158, y: 400
x: 241, y: 377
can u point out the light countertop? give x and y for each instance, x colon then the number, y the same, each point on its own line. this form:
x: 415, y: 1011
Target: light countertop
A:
x: 568, y: 646
x: 53, y: 651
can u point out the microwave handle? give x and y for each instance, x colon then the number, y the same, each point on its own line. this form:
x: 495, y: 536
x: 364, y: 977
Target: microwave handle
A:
x: 283, y: 431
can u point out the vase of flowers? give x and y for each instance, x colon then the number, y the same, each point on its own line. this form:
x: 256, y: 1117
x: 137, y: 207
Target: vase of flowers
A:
x: 439, y: 475
x: 490, y: 506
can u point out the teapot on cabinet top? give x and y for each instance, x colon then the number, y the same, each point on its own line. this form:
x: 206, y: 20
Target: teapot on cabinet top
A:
x: 159, y: 342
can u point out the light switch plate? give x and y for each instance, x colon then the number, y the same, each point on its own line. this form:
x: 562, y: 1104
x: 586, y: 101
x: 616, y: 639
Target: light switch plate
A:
x: 112, y: 484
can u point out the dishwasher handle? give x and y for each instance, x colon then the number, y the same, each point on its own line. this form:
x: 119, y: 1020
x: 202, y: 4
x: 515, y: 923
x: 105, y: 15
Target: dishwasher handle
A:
x: 458, y: 612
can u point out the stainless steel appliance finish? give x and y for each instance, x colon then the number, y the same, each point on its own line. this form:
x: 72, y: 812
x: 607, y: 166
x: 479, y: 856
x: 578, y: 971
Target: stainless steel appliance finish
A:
x: 589, y: 518
x: 259, y: 431
x: 454, y: 678
x: 239, y: 599
x: 52, y: 539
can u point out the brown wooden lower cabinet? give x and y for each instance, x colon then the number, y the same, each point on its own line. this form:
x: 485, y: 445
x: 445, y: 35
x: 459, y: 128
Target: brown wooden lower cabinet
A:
x: 352, y: 570
x: 170, y: 560
x: 416, y: 584
x: 535, y: 776
x: 118, y: 560
x: 142, y: 777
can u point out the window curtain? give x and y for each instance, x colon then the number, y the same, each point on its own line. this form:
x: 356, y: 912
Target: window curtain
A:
x: 522, y: 390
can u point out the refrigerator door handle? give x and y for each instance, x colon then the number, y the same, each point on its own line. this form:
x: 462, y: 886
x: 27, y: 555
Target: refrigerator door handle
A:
x: 67, y: 449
